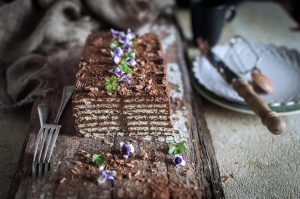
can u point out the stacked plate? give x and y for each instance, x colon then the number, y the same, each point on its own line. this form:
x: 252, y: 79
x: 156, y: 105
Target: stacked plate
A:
x: 280, y: 64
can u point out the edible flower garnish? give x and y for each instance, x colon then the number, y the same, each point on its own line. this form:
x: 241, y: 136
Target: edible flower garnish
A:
x: 130, y: 35
x: 131, y: 61
x: 111, y: 83
x: 177, y: 148
x: 126, y: 78
x: 178, y: 160
x: 127, y: 46
x: 116, y: 59
x: 106, y: 175
x: 115, y: 33
x: 98, y: 159
x: 117, y: 72
x: 116, y: 54
x: 123, y: 56
x: 126, y: 149
x: 124, y: 40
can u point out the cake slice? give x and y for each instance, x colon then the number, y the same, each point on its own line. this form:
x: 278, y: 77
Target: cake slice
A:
x: 122, y: 90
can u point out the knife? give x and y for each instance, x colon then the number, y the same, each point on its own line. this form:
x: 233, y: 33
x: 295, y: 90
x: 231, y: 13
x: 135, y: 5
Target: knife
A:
x: 268, y: 117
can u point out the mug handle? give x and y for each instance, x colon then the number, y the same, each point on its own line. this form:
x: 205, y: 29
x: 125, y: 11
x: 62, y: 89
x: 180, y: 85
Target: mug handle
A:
x: 232, y: 10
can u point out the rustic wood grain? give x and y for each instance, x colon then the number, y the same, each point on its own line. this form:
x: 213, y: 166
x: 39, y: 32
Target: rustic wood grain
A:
x: 206, y: 164
x: 149, y: 174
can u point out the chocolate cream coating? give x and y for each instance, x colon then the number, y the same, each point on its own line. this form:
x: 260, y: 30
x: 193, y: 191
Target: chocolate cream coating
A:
x: 139, y: 108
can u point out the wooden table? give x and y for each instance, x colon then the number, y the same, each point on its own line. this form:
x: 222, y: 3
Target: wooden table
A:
x: 151, y: 172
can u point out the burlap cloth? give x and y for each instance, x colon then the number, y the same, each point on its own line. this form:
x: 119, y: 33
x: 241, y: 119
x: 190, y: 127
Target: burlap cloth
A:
x: 39, y: 37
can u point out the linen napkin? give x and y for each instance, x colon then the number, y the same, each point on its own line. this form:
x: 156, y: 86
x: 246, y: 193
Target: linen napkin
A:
x: 38, y: 39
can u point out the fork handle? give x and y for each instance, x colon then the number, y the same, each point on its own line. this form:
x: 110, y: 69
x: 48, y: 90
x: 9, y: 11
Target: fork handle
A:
x: 43, y: 111
x: 268, y: 117
x: 67, y: 94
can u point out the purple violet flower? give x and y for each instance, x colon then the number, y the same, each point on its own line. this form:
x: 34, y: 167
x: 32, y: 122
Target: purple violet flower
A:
x: 116, y: 34
x: 116, y: 59
x: 126, y: 78
x: 130, y: 35
x: 126, y: 149
x: 124, y: 40
x: 117, y: 52
x: 178, y: 160
x: 116, y: 71
x: 105, y: 175
x: 126, y: 47
x: 122, y: 34
x: 131, y: 61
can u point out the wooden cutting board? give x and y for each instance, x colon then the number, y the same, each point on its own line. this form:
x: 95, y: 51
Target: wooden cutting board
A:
x: 151, y: 172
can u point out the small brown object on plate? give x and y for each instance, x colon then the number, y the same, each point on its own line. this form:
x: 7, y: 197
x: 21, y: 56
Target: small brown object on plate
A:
x: 262, y: 81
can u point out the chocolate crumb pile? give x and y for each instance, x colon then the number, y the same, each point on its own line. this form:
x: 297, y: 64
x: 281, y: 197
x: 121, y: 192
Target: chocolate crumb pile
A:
x: 129, y: 176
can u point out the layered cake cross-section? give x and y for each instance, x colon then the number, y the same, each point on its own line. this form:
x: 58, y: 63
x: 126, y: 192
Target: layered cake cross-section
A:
x: 121, y: 86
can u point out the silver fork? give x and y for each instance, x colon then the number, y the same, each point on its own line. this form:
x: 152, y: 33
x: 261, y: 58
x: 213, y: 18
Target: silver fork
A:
x: 43, y: 112
x: 47, y: 137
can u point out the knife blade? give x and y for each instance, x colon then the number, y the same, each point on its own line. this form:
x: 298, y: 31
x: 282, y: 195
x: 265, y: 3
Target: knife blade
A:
x: 222, y: 68
x: 269, y: 118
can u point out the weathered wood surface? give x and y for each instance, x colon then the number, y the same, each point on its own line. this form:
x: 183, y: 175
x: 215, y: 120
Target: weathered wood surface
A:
x: 149, y: 174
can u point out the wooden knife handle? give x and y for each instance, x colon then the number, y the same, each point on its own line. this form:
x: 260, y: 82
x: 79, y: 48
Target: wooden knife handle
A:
x: 268, y: 117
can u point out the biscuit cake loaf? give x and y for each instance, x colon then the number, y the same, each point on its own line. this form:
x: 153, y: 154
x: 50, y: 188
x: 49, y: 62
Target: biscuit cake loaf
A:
x: 121, y: 86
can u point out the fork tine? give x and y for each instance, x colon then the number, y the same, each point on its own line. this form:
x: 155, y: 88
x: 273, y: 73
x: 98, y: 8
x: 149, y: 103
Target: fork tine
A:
x: 50, y: 167
x: 40, y: 170
x: 49, y: 138
x: 46, y: 171
x: 34, y: 169
x: 57, y: 129
x: 39, y: 136
x: 44, y: 136
x: 44, y: 149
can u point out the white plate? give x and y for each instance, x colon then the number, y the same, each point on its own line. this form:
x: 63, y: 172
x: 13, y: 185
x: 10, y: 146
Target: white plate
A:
x: 280, y: 64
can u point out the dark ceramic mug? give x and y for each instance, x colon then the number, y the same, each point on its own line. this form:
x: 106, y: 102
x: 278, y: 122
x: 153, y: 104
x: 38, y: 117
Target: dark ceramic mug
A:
x: 209, y: 17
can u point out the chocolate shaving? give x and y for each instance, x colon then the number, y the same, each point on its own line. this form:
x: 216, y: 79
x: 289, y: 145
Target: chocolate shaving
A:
x: 96, y: 62
x: 128, y: 174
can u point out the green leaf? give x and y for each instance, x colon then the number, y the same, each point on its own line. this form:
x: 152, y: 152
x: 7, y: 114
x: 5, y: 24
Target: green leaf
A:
x: 172, y: 148
x: 114, y: 43
x: 129, y: 53
x: 98, y: 159
x: 180, y: 147
x: 123, y: 63
x: 111, y: 83
x: 177, y: 148
x: 125, y: 69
